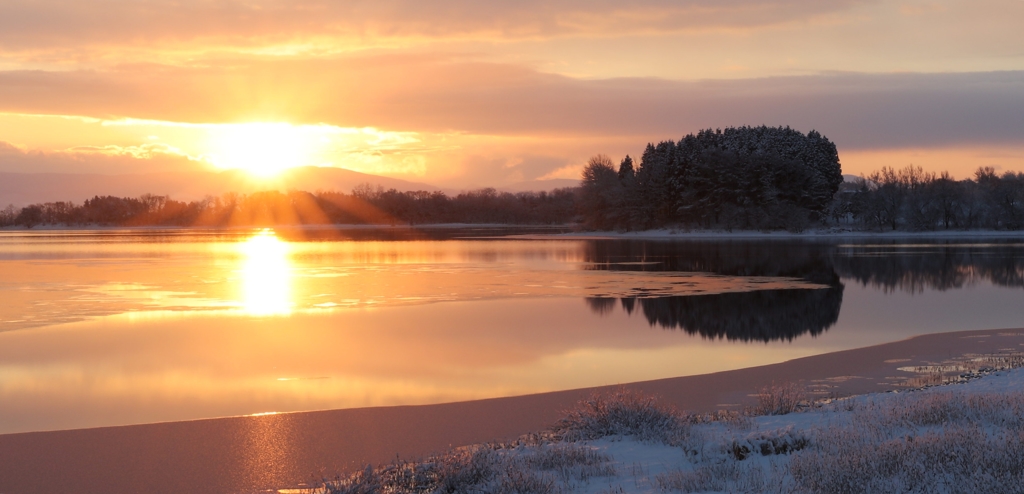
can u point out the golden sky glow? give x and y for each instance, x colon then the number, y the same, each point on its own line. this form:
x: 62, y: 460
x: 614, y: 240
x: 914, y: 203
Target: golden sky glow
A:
x: 464, y: 94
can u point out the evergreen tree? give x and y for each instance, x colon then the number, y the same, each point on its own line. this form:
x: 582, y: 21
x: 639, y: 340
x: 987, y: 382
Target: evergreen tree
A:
x: 653, y: 186
x: 626, y: 171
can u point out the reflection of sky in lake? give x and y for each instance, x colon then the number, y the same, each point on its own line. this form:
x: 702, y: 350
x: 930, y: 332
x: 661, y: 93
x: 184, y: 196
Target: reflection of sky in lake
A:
x: 52, y: 279
x: 150, y: 329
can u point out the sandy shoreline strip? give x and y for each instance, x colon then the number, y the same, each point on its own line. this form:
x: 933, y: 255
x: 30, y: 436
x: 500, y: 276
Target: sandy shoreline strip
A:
x: 252, y: 454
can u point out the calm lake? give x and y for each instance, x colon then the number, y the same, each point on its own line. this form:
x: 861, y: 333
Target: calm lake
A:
x: 105, y: 328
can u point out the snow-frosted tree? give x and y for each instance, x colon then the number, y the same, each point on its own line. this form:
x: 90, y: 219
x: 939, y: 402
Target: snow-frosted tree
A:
x: 626, y: 171
x: 600, y: 193
x: 744, y: 177
x: 654, y: 189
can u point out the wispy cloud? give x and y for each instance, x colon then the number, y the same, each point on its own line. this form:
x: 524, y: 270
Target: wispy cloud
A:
x: 667, y: 38
x: 27, y: 24
x: 435, y: 95
x: 143, y: 151
x: 107, y: 159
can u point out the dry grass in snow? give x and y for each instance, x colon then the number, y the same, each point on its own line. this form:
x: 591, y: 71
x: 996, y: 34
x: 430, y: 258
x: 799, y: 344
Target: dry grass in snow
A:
x: 965, y: 438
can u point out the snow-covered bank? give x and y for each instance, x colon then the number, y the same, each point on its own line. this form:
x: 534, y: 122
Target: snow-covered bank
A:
x: 819, y: 234
x: 965, y: 437
x: 948, y: 439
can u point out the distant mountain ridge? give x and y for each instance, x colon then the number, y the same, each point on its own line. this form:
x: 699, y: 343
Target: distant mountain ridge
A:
x: 22, y: 189
x: 540, y: 185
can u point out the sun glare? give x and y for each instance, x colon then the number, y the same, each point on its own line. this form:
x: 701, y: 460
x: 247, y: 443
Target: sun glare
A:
x: 263, y: 149
x: 266, y: 276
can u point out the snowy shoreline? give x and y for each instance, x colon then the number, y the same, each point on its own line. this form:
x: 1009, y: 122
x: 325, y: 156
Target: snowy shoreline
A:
x: 878, y: 442
x: 825, y: 234
x: 207, y: 455
x: 962, y: 437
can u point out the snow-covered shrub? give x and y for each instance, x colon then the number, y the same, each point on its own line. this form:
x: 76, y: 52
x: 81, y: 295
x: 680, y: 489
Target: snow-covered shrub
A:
x: 779, y: 399
x: 767, y: 443
x: 462, y: 469
x: 623, y: 413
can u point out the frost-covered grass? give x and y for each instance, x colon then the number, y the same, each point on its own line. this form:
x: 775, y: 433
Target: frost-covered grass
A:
x: 921, y: 442
x: 539, y: 468
x: 947, y: 439
x: 780, y: 399
x: 950, y: 439
x: 624, y: 413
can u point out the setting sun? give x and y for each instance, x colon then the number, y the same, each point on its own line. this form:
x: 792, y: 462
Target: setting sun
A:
x: 263, y: 149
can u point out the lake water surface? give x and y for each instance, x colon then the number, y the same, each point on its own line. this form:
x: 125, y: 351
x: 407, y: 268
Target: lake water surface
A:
x: 122, y: 327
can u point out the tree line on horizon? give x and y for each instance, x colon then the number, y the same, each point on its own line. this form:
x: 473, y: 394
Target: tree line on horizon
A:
x: 915, y: 200
x: 740, y: 178
x: 776, y: 178
x: 364, y: 205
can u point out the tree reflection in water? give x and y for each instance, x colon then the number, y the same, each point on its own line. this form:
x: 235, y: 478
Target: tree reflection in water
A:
x: 937, y: 266
x: 762, y: 315
x: 770, y: 315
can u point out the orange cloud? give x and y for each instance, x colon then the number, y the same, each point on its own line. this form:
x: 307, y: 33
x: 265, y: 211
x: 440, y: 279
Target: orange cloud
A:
x: 433, y: 94
x: 63, y: 24
x: 143, y: 151
x: 148, y: 158
x: 687, y: 39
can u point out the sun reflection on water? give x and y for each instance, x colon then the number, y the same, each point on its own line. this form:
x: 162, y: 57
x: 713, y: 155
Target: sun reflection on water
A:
x: 266, y: 276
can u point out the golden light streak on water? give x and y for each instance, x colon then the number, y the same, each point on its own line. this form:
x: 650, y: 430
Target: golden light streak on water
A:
x: 266, y: 276
x: 266, y: 447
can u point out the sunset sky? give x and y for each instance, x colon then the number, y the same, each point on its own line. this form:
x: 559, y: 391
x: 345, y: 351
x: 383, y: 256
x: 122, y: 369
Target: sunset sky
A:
x: 461, y: 93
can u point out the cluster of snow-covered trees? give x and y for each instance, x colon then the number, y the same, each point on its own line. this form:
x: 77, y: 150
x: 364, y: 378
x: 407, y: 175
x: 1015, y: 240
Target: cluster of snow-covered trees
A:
x: 745, y: 178
x: 771, y: 178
